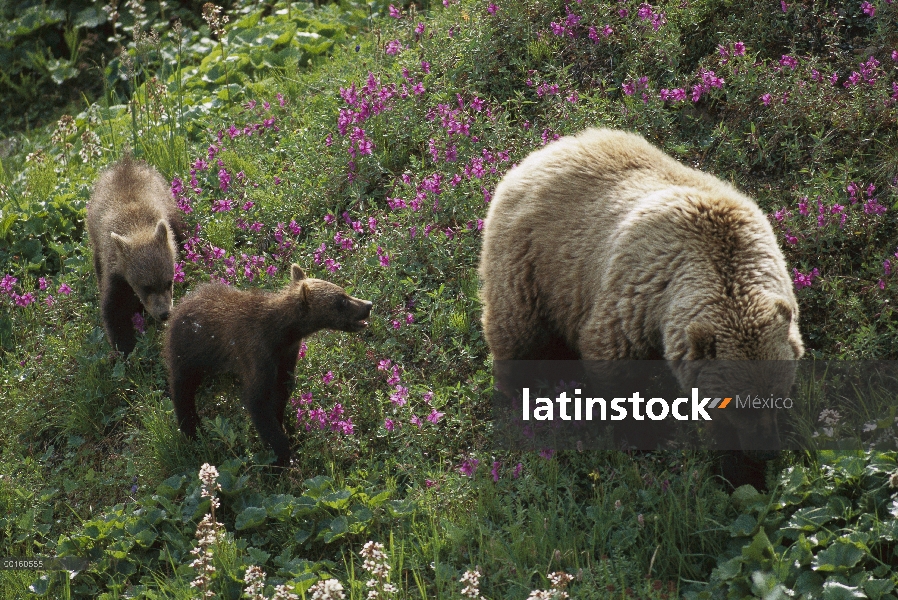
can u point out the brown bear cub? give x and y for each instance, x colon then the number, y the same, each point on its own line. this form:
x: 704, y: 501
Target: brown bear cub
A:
x: 255, y: 335
x: 135, y: 227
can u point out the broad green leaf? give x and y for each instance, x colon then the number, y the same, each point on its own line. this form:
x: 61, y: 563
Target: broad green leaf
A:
x: 250, y: 517
x: 760, y: 548
x: 743, y: 526
x: 171, y: 486
x: 833, y: 590
x: 838, y: 557
x: 877, y: 588
x: 810, y: 519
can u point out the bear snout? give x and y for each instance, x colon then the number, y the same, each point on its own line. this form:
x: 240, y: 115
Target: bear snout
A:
x: 163, y: 316
x: 364, y: 311
x: 366, y: 308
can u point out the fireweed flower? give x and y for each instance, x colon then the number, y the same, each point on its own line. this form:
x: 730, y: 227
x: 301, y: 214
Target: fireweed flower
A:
x: 139, y: 323
x: 435, y: 416
x: 6, y: 285
x: 224, y: 180
x: 801, y: 280
x: 789, y: 61
x: 495, y: 470
x: 868, y: 9
x: 468, y: 467
x: 517, y: 470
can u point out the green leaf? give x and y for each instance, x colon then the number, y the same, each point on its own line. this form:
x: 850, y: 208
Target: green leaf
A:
x: 877, y: 588
x: 318, y: 484
x: 838, y: 557
x: 250, y: 517
x: 61, y: 70
x: 729, y: 570
x: 760, y: 548
x: 338, y: 499
x: 743, y: 526
x: 145, y: 538
x: 171, y: 486
x: 810, y: 519
x: 301, y: 535
x: 256, y: 556
x: 833, y: 590
x: 338, y: 528
x: 809, y: 584
x: 90, y: 17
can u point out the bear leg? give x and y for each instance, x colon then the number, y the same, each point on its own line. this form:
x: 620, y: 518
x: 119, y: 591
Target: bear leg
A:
x: 183, y: 397
x: 258, y: 398
x: 516, y: 332
x: 283, y: 386
x: 118, y: 305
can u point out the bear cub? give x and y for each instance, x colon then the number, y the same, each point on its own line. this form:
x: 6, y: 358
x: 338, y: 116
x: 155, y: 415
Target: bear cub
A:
x: 255, y: 335
x: 134, y: 227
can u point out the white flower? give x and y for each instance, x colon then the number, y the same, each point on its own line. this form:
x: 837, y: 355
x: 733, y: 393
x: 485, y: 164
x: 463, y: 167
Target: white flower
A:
x: 329, y: 589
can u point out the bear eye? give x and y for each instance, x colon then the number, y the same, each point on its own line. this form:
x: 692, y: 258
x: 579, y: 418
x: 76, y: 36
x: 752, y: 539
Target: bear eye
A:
x: 344, y: 302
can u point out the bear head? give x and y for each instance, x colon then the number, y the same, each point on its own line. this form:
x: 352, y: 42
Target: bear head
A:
x: 147, y: 258
x: 747, y: 346
x: 326, y: 305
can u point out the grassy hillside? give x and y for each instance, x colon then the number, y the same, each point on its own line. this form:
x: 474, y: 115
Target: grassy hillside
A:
x: 363, y: 142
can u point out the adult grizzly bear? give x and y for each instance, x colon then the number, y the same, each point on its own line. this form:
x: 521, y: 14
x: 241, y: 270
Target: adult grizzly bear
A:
x: 601, y: 247
x: 134, y: 227
x: 256, y: 335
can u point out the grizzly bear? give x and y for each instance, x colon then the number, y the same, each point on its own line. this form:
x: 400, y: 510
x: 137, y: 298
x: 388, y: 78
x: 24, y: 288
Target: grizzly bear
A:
x: 134, y: 227
x: 600, y: 246
x: 255, y: 335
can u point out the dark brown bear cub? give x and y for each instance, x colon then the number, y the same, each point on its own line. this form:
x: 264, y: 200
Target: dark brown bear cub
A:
x: 134, y: 227
x: 256, y: 335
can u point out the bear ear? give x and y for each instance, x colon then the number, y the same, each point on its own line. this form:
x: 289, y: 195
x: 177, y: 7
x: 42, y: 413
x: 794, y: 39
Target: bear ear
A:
x: 121, y: 243
x: 702, y: 343
x: 161, y: 235
x: 782, y: 310
x: 296, y: 273
x: 305, y: 294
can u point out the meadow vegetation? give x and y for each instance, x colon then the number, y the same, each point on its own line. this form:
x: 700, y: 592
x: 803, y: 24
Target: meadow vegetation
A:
x: 363, y: 142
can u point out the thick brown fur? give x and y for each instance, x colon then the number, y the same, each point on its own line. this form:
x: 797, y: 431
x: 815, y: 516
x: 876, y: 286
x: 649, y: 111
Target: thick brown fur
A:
x: 135, y: 227
x: 255, y: 335
x: 605, y: 246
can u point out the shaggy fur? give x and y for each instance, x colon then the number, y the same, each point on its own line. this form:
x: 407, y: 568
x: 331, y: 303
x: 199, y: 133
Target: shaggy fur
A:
x: 134, y: 227
x: 255, y: 335
x: 600, y: 246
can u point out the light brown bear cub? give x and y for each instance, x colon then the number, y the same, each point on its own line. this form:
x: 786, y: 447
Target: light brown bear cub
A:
x: 134, y: 227
x: 602, y: 247
x: 256, y: 335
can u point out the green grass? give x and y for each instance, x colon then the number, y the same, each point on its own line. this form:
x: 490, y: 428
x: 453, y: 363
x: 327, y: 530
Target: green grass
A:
x: 91, y: 459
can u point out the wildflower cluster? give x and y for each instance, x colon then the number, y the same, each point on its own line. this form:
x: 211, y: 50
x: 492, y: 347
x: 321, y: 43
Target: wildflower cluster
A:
x: 318, y: 418
x: 471, y: 582
x: 214, y: 19
x: 559, y: 581
x: 327, y: 589
x: 8, y: 289
x: 255, y: 588
x: 399, y: 398
x: 208, y: 533
x: 376, y: 564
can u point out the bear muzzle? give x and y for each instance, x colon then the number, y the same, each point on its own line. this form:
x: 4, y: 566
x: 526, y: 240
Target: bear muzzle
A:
x: 363, y: 314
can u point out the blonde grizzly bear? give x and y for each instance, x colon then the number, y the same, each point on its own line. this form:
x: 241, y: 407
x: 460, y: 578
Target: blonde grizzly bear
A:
x: 134, y: 227
x: 255, y: 335
x: 600, y: 246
